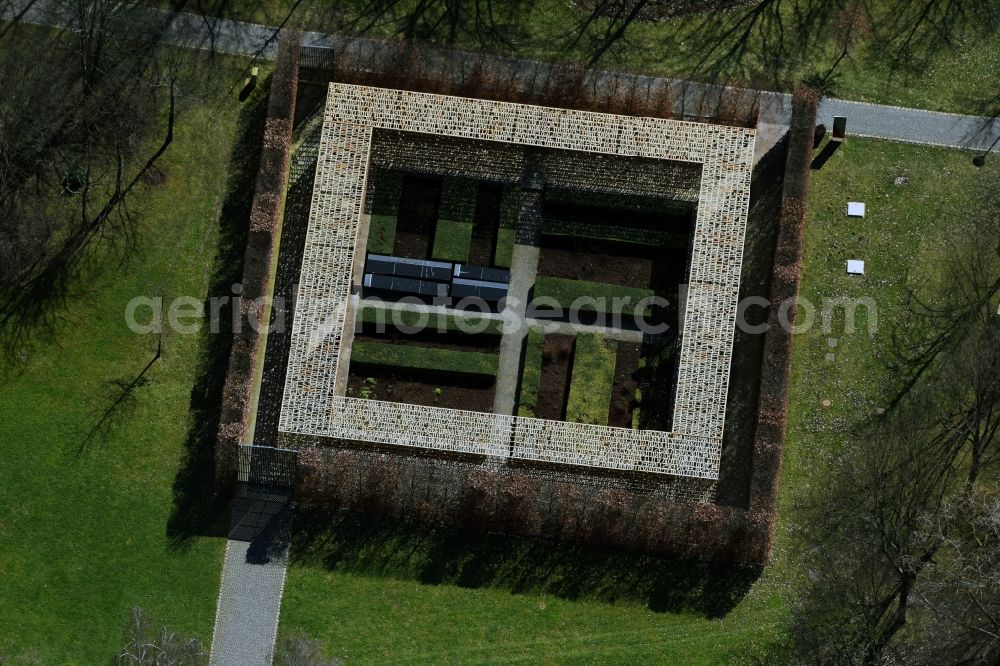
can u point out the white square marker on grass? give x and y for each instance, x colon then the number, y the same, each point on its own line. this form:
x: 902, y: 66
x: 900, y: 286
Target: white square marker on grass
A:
x: 855, y: 267
x: 855, y: 209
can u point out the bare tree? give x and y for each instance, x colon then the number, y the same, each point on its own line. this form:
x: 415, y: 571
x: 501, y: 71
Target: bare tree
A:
x: 960, y: 598
x: 147, y: 645
x: 300, y: 650
x: 76, y: 116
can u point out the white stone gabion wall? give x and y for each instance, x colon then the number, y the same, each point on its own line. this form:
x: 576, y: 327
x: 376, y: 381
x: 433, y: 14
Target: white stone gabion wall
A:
x: 311, y: 406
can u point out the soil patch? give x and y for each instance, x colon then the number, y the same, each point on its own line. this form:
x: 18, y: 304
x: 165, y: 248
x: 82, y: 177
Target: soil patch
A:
x: 553, y: 388
x: 596, y: 261
x: 418, y: 208
x: 626, y: 381
x: 485, y: 223
x: 431, y: 338
x: 417, y: 388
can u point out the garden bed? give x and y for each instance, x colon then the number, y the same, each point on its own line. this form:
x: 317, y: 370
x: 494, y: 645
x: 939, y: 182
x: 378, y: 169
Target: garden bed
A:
x: 418, y: 210
x: 557, y: 359
x: 626, y: 381
x: 469, y: 392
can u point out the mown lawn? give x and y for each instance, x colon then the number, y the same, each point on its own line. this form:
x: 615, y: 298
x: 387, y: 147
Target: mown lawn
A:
x: 882, y: 65
x: 83, y: 529
x: 898, y: 240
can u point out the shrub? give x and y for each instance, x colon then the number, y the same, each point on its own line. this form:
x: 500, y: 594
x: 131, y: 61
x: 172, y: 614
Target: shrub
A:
x: 261, y: 242
x: 593, y: 379
x: 424, y: 358
x: 775, y: 368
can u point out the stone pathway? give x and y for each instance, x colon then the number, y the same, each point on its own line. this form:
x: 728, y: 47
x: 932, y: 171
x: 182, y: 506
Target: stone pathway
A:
x: 246, y: 619
x: 523, y: 267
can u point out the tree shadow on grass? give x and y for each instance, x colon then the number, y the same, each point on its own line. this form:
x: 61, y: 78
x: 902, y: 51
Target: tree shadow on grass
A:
x: 435, y: 555
x: 197, y: 511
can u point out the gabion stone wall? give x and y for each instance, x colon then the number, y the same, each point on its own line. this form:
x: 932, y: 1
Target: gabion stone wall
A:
x: 504, y: 163
x: 312, y: 406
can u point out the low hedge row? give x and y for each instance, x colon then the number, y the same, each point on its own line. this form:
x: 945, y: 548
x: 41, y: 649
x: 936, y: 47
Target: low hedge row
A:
x: 592, y: 380
x: 413, y: 357
x: 265, y: 217
x: 608, y: 297
x: 775, y: 372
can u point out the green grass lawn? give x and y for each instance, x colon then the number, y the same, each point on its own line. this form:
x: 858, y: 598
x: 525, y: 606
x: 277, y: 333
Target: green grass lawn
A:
x: 381, y: 234
x: 592, y: 296
x: 592, y: 380
x: 415, y: 357
x: 83, y: 531
x: 451, y: 240
x: 898, y: 240
x: 954, y: 75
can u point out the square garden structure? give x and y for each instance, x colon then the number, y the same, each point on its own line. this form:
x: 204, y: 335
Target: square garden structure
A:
x: 314, y: 405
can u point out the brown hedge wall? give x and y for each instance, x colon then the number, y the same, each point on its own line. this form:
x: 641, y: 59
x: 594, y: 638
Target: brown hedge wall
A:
x: 775, y: 374
x: 409, y: 65
x: 261, y: 241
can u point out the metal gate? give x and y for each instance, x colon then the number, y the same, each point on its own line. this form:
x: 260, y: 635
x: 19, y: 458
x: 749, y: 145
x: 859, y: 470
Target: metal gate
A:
x: 268, y: 466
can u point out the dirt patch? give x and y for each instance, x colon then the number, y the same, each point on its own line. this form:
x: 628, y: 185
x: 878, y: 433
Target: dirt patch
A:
x: 626, y: 381
x: 431, y: 338
x: 485, y: 223
x: 418, y: 208
x: 553, y: 388
x: 456, y: 392
x: 596, y: 261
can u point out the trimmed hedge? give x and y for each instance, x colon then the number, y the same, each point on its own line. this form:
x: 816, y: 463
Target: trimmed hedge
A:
x: 450, y: 323
x: 775, y: 372
x: 531, y: 373
x: 424, y: 358
x: 593, y: 379
x: 566, y: 292
x: 381, y: 234
x: 262, y: 239
x: 451, y: 240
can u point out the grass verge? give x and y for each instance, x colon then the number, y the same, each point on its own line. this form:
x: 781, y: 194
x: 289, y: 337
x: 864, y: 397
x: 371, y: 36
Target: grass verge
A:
x: 503, y: 254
